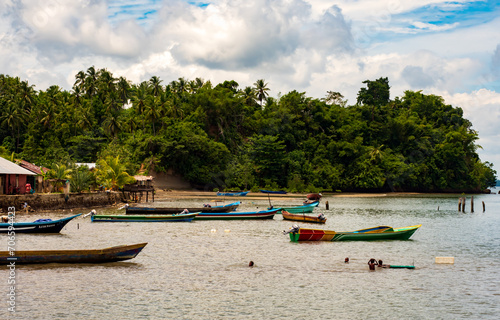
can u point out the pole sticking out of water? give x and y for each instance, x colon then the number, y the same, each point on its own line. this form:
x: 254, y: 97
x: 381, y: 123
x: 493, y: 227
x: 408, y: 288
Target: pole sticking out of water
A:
x: 484, y: 207
x: 463, y: 204
x: 472, y: 204
x: 327, y: 206
x: 459, y: 204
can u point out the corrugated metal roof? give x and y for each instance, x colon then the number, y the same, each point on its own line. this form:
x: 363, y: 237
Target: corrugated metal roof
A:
x: 8, y: 167
x: 31, y: 167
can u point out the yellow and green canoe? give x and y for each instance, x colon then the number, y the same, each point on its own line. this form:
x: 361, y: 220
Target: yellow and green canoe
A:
x: 376, y: 233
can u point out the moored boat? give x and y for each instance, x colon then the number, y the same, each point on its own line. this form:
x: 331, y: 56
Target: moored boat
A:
x: 235, y: 215
x: 38, y: 226
x: 302, y: 217
x: 181, y: 217
x: 118, y: 253
x: 161, y: 210
x: 305, y: 208
x: 233, y: 194
x: 376, y: 233
x: 272, y: 192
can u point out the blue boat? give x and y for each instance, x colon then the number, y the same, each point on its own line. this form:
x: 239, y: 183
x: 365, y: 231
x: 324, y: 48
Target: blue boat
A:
x: 272, y: 192
x: 235, y: 215
x: 233, y: 194
x: 305, y: 208
x: 168, y: 210
x: 38, y: 226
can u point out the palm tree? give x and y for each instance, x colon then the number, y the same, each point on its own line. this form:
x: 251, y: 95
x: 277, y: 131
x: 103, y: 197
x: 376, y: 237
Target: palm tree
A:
x: 248, y: 94
x: 60, y: 172
x: 124, y: 89
x: 112, y: 125
x: 80, y: 80
x: 139, y: 100
x: 155, y: 84
x: 152, y: 111
x: 261, y: 90
x: 112, y: 174
x: 13, y: 117
x: 90, y: 81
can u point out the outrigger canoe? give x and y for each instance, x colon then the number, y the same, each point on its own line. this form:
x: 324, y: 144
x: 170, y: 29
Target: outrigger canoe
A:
x: 160, y: 210
x: 233, y: 194
x: 181, y: 217
x: 302, y: 217
x: 38, y: 226
x: 118, y: 253
x: 306, y: 208
x: 377, y: 233
x: 264, y: 214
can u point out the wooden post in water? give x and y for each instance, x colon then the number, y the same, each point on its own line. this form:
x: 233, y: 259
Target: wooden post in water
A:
x: 459, y: 204
x: 484, y: 207
x: 463, y: 204
x: 327, y: 206
x: 472, y: 204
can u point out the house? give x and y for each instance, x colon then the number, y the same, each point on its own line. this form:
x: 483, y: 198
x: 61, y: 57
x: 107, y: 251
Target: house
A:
x: 14, y: 178
x: 36, y: 181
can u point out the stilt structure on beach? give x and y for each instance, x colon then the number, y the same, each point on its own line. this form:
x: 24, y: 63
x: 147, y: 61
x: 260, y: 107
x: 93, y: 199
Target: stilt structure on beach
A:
x: 143, y: 184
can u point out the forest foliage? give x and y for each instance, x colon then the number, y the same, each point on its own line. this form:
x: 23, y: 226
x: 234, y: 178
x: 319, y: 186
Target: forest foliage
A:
x: 229, y: 137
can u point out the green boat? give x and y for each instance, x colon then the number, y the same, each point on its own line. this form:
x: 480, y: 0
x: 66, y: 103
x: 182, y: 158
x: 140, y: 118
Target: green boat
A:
x: 376, y: 233
x: 181, y: 217
x: 306, y: 208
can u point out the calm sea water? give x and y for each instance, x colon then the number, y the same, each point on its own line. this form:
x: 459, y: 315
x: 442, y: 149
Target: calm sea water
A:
x: 199, y: 270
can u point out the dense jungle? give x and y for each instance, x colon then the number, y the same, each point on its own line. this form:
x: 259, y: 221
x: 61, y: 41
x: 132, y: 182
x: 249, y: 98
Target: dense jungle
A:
x: 226, y: 136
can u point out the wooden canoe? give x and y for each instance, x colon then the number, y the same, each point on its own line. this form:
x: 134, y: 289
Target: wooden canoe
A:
x: 160, y: 210
x: 181, y: 217
x: 118, y: 253
x: 302, y: 217
x: 235, y: 215
x: 306, y: 208
x: 233, y: 194
x: 42, y: 226
x: 376, y: 233
x: 272, y: 192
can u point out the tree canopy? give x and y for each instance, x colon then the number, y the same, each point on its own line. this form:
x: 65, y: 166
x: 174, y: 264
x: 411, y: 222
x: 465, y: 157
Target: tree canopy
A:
x: 225, y: 136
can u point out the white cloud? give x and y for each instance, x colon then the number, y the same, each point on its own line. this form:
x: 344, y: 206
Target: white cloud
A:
x: 482, y: 108
x: 304, y: 45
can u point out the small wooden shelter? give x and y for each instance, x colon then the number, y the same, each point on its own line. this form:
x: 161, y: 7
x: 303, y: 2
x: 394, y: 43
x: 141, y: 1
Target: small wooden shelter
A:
x: 135, y: 191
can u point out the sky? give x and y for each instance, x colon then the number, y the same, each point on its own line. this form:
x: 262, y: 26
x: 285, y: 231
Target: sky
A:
x: 446, y: 48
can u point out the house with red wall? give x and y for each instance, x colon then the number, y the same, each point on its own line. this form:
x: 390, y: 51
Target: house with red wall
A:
x: 13, y: 178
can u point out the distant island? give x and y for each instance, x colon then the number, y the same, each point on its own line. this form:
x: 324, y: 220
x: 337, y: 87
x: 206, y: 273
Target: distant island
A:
x: 227, y: 136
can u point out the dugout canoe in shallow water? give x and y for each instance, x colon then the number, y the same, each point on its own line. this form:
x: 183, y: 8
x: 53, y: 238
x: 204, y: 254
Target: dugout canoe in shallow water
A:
x: 306, y: 208
x: 39, y: 226
x: 272, y: 192
x: 376, y: 233
x: 118, y: 253
x: 160, y: 210
x: 233, y: 194
x: 235, y: 215
x: 181, y: 217
x: 302, y: 217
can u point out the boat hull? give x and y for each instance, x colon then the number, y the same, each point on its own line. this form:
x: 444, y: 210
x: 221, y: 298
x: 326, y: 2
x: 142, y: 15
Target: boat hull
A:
x: 54, y: 226
x: 118, y: 253
x: 302, y: 217
x: 233, y: 194
x: 306, y: 208
x: 372, y: 234
x: 159, y: 210
x: 265, y: 214
x: 187, y: 217
x: 272, y: 192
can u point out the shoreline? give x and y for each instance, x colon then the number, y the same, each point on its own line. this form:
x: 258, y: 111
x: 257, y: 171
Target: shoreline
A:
x: 114, y: 199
